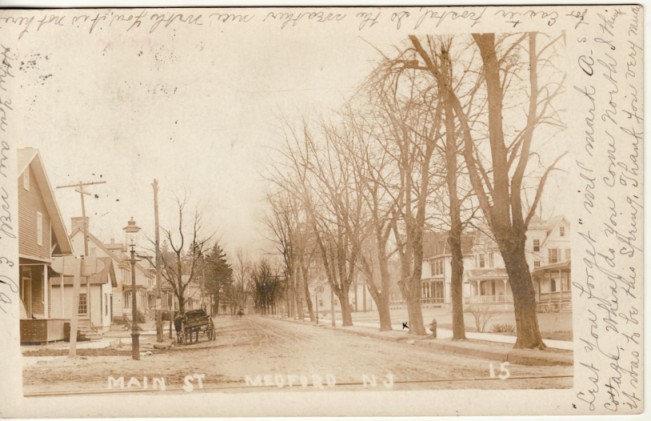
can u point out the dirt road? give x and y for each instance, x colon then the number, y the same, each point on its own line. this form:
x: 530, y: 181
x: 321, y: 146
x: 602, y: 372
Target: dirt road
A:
x: 256, y: 353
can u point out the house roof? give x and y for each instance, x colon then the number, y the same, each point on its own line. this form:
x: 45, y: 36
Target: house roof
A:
x: 483, y: 274
x: 552, y: 223
x: 565, y: 264
x: 436, y: 244
x: 545, y: 225
x: 106, y: 275
x: 118, y: 258
x: 31, y: 157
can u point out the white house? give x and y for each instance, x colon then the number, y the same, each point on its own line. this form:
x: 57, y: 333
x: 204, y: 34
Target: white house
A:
x: 437, y: 267
x: 145, y: 277
x: 95, y: 296
x: 548, y: 256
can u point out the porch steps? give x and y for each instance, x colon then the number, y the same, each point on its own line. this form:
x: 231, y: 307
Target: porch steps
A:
x: 87, y: 331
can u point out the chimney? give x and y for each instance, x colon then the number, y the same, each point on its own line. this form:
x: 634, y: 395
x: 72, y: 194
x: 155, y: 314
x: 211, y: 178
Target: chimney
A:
x: 115, y: 247
x: 78, y: 222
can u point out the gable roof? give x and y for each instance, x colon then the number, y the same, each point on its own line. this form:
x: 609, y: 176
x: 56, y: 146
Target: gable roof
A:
x: 31, y: 157
x: 552, y: 223
x: 436, y: 244
x: 118, y: 258
x: 106, y: 275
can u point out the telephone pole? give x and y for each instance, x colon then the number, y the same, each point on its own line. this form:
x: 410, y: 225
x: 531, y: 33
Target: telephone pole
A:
x: 159, y: 306
x: 79, y: 187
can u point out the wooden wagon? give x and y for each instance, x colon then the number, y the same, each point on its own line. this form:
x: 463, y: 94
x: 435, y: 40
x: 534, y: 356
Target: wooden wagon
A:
x: 193, y: 323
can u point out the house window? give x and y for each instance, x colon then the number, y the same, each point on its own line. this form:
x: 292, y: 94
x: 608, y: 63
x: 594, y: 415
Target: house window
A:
x: 568, y: 254
x: 26, y: 179
x: 553, y: 255
x: 562, y: 231
x: 83, y: 303
x: 437, y: 267
x: 536, y: 264
x: 106, y: 307
x: 482, y: 261
x: 39, y: 228
x: 536, y: 245
x: 552, y: 285
x: 491, y: 260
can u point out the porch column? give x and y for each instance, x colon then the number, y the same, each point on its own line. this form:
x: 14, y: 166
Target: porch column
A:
x: 63, y: 299
x: 538, y: 283
x: 46, y: 293
x: 560, y: 279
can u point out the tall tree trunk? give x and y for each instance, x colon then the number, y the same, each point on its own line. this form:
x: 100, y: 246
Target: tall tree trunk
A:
x: 524, y: 294
x: 181, y: 304
x: 506, y: 214
x: 415, y: 312
x: 383, y: 300
x: 306, y: 291
x: 346, y: 311
x: 416, y: 324
x: 456, y: 283
x: 300, y: 313
x: 454, y: 235
x: 384, y: 312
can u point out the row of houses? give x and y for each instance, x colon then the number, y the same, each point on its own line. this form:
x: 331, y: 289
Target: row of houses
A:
x: 45, y: 247
x: 485, y: 281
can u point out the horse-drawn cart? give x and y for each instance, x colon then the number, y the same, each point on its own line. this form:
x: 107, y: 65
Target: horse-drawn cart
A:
x: 192, y: 324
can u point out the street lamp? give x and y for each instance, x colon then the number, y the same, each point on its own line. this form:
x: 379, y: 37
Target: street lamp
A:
x: 131, y: 231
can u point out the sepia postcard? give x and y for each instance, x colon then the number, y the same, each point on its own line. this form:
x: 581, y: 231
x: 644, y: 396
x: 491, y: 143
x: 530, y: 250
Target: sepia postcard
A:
x: 322, y: 211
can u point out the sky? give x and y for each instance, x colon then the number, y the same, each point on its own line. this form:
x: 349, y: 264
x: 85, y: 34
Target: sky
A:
x: 199, y: 110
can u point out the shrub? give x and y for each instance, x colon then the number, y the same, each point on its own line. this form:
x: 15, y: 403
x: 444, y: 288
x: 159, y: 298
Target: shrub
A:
x: 503, y: 328
x: 482, y: 314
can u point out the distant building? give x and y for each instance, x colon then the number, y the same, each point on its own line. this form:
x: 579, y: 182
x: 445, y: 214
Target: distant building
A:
x: 145, y: 276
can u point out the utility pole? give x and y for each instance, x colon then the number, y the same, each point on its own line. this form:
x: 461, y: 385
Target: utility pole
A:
x: 159, y: 307
x: 79, y: 187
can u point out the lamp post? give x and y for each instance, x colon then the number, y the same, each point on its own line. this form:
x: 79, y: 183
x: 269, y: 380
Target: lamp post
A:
x: 131, y: 231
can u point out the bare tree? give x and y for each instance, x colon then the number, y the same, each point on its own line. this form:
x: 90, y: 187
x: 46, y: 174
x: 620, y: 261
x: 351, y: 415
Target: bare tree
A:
x: 287, y: 222
x: 510, y: 67
x: 321, y: 176
x: 375, y: 173
x: 241, y: 272
x: 183, y: 252
x: 266, y: 287
x: 409, y: 120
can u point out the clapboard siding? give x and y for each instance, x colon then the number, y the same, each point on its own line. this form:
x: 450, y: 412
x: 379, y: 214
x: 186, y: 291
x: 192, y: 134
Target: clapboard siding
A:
x: 31, y: 202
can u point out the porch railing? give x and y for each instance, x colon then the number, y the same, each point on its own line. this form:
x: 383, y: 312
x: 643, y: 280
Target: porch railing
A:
x: 483, y: 299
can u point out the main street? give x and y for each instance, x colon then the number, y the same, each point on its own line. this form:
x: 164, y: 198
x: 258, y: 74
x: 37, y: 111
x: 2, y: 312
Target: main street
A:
x: 256, y: 353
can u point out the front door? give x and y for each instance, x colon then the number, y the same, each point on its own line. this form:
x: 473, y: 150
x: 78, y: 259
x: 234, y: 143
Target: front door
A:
x: 26, y: 290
